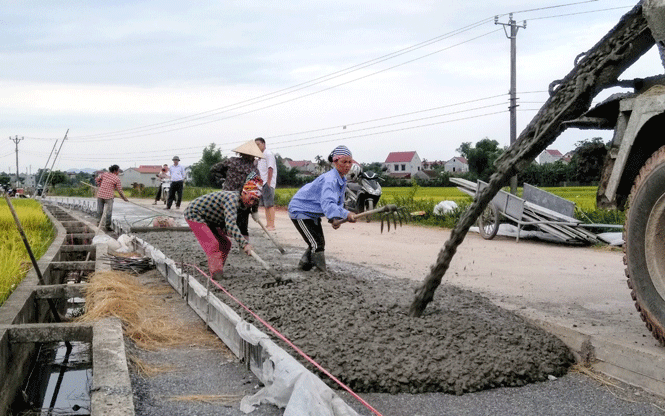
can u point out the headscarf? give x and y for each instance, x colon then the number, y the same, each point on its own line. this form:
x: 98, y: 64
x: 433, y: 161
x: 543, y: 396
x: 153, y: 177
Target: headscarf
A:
x: 339, y: 152
x: 251, y: 190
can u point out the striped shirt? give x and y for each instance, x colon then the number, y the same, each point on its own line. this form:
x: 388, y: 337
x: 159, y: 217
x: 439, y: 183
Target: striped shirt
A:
x: 323, y: 197
x: 108, y: 182
x: 218, y: 209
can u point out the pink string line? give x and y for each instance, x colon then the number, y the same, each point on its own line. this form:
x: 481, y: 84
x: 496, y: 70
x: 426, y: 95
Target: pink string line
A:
x: 283, y: 338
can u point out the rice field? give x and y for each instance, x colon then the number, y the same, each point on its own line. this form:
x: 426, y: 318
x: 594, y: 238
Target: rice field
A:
x: 14, y: 257
x: 584, y: 197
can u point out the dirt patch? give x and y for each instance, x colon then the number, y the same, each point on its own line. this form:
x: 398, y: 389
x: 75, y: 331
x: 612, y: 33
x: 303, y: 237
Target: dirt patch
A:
x: 355, y: 324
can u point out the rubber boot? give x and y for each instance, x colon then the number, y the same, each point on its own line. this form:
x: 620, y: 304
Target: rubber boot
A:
x: 305, y: 262
x: 319, y: 260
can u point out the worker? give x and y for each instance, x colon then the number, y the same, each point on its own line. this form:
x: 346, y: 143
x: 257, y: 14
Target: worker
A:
x: 322, y: 197
x: 108, y: 182
x: 213, y: 218
x: 232, y: 172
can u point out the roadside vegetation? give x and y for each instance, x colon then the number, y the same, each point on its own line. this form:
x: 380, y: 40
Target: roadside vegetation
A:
x: 13, y: 256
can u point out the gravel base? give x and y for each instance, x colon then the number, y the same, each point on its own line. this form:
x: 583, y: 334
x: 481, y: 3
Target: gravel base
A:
x: 355, y: 324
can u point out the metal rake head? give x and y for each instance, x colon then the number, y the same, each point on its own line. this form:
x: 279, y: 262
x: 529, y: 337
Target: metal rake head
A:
x: 277, y: 282
x: 395, y: 213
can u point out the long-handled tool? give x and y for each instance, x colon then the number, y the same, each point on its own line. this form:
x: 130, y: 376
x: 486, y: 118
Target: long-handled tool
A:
x: 278, y: 279
x: 255, y: 217
x: 40, y: 278
x: 387, y: 212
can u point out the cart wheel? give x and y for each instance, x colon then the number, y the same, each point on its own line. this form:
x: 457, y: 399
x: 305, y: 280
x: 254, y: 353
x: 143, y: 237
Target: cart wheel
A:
x: 488, y: 222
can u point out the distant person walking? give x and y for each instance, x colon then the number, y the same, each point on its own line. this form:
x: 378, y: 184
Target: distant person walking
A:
x: 177, y: 181
x: 107, y: 183
x: 163, y: 176
x: 268, y: 169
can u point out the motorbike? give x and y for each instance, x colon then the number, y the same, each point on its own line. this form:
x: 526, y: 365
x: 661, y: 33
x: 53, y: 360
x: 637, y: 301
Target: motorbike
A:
x: 166, y: 187
x: 363, y: 190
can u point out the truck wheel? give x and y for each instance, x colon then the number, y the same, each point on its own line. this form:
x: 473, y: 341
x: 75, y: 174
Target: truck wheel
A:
x: 488, y: 222
x: 644, y: 244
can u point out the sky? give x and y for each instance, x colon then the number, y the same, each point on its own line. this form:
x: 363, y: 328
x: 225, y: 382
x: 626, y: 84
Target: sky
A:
x: 137, y: 82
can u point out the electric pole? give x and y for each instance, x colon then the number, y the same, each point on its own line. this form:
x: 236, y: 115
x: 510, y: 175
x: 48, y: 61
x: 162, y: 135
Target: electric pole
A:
x: 16, y: 140
x: 514, y: 27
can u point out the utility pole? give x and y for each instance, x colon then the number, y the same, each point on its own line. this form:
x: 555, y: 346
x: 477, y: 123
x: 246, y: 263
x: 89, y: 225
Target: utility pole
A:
x: 16, y: 140
x: 48, y: 178
x: 514, y: 27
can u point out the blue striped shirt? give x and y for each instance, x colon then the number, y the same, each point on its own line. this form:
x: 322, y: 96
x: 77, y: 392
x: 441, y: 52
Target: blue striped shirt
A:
x: 322, y: 197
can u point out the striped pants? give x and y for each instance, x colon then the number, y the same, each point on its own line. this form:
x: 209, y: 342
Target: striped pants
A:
x: 312, y: 232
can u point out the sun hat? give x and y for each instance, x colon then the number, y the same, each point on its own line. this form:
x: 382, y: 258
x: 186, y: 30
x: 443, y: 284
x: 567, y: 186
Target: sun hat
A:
x: 176, y: 158
x: 249, y: 148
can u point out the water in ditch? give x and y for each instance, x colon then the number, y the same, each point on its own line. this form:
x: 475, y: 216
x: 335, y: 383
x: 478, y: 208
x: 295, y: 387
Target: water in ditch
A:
x: 59, y: 381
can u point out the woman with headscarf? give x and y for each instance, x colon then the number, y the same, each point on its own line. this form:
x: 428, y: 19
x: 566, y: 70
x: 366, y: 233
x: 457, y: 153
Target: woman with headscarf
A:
x: 213, y: 217
x: 322, y: 197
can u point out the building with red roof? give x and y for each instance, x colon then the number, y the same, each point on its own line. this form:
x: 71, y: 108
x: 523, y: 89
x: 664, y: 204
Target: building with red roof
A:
x: 403, y: 164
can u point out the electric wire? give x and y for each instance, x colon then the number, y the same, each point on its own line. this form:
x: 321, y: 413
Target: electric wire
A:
x: 293, y: 99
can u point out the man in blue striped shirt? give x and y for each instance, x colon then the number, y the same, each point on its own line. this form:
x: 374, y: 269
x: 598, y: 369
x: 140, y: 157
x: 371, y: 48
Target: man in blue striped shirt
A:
x: 322, y: 197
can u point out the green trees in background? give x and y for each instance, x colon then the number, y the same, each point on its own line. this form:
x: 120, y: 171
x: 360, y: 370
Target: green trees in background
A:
x: 201, y: 169
x: 481, y: 158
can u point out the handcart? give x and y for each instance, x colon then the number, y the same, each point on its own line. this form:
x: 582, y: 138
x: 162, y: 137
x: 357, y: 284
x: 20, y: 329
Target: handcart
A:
x: 545, y: 211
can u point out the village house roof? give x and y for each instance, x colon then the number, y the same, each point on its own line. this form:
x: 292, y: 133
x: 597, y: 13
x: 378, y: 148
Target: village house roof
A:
x: 298, y: 163
x: 553, y: 152
x: 460, y: 158
x: 150, y: 169
x: 396, y: 157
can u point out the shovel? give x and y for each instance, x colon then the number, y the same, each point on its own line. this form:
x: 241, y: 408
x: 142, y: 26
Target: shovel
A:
x: 255, y: 217
x: 278, y: 279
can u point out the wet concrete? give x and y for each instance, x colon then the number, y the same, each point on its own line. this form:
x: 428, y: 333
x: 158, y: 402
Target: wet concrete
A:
x: 355, y: 324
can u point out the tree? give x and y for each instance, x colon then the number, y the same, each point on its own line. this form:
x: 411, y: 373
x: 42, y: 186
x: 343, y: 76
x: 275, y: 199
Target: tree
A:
x: 286, y: 176
x: 57, y: 177
x: 588, y: 160
x: 201, y: 169
x: 321, y: 164
x: 481, y: 158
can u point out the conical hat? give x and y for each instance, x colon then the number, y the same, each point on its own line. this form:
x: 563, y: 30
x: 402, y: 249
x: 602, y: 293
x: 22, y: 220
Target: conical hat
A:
x: 249, y: 148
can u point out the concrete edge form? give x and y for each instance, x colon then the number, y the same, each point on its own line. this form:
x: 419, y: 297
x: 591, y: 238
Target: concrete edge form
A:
x: 111, y: 392
x: 287, y: 382
x: 629, y: 364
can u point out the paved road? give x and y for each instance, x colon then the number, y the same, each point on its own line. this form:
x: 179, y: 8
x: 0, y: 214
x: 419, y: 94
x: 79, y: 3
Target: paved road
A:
x: 527, y: 292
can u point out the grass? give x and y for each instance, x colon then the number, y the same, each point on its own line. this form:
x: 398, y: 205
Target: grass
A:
x: 13, y: 256
x: 417, y: 199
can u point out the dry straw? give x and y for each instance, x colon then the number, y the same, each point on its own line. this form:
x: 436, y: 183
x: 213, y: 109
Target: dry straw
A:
x: 145, y: 318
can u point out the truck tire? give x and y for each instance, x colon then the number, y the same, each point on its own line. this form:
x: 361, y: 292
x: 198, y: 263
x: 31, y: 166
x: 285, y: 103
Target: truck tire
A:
x: 644, y: 244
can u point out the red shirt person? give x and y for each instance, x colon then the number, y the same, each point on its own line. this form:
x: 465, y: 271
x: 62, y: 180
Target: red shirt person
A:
x: 108, y: 183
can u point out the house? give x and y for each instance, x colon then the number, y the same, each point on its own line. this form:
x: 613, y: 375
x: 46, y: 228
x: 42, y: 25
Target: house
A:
x: 144, y: 174
x: 549, y: 156
x: 431, y: 165
x: 458, y: 164
x: 304, y: 167
x: 402, y: 164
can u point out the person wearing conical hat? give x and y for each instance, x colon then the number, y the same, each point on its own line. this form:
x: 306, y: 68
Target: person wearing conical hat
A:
x: 233, y: 172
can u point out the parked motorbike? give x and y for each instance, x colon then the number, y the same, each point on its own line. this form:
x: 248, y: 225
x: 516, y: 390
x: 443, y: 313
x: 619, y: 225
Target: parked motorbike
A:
x: 166, y: 187
x: 363, y: 190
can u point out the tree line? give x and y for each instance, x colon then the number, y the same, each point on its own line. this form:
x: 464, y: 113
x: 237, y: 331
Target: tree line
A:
x: 584, y: 168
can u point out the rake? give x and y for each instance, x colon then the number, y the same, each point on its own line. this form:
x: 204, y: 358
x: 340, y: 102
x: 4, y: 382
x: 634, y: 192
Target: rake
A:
x: 387, y: 213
